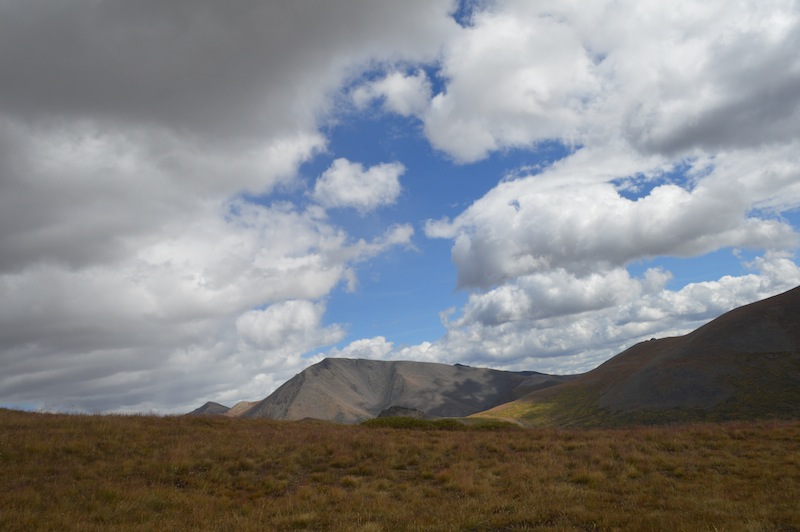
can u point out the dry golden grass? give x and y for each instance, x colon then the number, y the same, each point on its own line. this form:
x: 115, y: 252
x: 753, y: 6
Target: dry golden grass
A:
x: 60, y: 472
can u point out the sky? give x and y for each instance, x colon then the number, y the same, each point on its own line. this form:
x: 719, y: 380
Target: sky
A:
x: 199, y: 199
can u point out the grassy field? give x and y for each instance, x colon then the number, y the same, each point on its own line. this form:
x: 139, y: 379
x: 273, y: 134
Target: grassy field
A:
x: 60, y: 472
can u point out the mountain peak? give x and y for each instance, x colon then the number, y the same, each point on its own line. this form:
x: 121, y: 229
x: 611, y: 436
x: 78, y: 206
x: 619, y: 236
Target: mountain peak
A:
x: 210, y: 409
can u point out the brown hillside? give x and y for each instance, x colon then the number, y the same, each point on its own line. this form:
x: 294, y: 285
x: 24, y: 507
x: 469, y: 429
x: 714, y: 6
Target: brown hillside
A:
x: 742, y: 365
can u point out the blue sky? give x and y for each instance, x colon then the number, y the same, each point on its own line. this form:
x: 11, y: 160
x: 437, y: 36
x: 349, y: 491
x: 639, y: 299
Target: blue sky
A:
x: 410, y: 287
x: 200, y: 199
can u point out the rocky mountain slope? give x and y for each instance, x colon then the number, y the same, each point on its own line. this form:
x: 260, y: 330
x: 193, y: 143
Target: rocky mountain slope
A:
x: 744, y: 364
x: 352, y: 390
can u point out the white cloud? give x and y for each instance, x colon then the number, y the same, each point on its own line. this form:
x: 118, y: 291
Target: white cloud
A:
x: 540, y: 224
x: 84, y: 196
x: 348, y: 184
x: 513, y: 78
x: 379, y: 348
x: 371, y: 348
x: 557, y: 293
x: 285, y: 329
x: 402, y: 94
x: 665, y: 77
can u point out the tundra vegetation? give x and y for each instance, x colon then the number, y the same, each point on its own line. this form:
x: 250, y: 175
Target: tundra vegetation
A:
x: 78, y: 472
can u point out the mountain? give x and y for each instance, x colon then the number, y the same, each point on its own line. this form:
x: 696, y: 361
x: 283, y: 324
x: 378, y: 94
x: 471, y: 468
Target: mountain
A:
x: 352, y: 390
x: 210, y: 409
x: 743, y: 365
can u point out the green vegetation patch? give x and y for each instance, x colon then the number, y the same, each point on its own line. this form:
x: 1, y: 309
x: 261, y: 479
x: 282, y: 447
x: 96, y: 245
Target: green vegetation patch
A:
x: 570, y: 406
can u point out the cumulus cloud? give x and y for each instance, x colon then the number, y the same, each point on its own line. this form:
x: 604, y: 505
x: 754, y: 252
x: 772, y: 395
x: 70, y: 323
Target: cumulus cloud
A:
x: 285, y: 329
x: 664, y: 77
x: 537, y: 224
x: 379, y: 348
x: 503, y: 89
x: 348, y: 184
x: 371, y: 348
x: 403, y: 94
x: 85, y: 195
x: 557, y: 293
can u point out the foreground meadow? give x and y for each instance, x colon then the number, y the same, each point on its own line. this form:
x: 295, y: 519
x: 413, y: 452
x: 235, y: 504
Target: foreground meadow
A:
x: 65, y: 472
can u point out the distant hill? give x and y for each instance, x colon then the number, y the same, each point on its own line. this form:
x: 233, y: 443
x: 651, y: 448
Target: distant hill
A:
x: 210, y: 409
x: 352, y: 390
x: 743, y: 365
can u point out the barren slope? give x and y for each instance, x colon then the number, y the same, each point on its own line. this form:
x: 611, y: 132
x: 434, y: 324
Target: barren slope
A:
x: 351, y: 390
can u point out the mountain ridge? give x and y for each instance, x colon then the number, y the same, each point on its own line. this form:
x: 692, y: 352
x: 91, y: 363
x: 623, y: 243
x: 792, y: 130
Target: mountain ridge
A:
x: 351, y: 390
x: 347, y: 390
